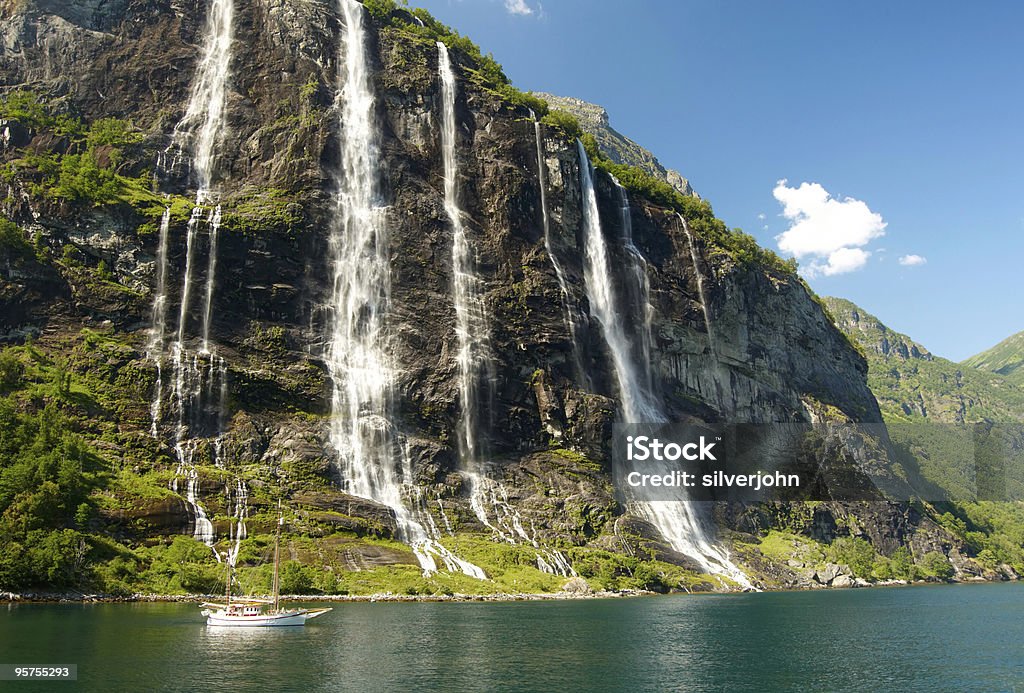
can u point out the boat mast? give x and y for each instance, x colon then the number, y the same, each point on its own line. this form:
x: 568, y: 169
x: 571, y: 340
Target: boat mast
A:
x: 230, y: 569
x: 277, y: 559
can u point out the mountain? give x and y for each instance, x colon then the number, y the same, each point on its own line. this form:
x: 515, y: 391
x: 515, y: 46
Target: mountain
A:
x: 320, y: 254
x: 958, y: 432
x: 912, y: 384
x: 619, y: 148
x: 1005, y: 358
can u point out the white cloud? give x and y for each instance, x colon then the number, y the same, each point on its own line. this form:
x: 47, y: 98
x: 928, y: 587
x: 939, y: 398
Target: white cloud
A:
x: 762, y: 216
x: 842, y: 260
x: 831, y: 233
x: 912, y: 260
x: 518, y: 7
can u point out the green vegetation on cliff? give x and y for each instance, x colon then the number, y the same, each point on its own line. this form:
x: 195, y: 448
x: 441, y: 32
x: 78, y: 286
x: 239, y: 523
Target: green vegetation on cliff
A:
x: 83, y: 164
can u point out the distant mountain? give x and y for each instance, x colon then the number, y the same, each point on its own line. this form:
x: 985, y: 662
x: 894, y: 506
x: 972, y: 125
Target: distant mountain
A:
x: 1005, y: 358
x: 912, y: 384
x: 618, y: 147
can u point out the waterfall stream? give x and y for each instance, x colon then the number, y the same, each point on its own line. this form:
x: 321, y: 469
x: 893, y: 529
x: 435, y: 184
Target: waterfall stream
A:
x: 700, y: 284
x: 470, y: 313
x: 362, y: 373
x: 474, y: 350
x: 677, y: 521
x: 569, y: 311
x: 195, y: 140
x: 158, y: 319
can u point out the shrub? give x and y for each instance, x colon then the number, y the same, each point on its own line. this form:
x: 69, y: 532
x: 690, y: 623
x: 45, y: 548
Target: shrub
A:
x: 854, y: 552
x: 13, y: 243
x: 564, y: 121
x: 937, y: 565
x: 11, y: 371
x: 902, y: 564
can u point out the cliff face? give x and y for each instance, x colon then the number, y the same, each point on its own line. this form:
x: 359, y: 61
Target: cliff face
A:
x: 731, y: 340
x: 618, y: 147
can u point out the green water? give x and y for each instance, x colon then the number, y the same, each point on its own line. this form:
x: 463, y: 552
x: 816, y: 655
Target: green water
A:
x: 942, y: 638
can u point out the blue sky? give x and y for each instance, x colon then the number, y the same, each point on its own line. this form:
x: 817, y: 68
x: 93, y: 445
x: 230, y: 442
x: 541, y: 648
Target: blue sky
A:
x: 908, y: 117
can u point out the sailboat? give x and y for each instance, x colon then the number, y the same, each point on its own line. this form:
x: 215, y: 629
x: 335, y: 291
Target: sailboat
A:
x: 259, y: 613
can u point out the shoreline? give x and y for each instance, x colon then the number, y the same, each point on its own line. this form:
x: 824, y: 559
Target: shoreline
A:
x: 99, y: 598
x: 85, y: 598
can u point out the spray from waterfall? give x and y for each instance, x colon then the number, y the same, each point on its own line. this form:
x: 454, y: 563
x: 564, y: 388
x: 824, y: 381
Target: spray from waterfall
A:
x: 677, y: 521
x: 362, y: 373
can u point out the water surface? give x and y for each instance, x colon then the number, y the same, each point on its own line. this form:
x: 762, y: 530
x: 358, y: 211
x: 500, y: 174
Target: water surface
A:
x: 940, y: 638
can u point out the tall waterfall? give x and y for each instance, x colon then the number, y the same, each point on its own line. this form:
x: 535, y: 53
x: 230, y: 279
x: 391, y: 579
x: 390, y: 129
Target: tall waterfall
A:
x: 677, y: 521
x: 158, y: 320
x: 199, y: 131
x: 638, y: 287
x: 362, y: 373
x: 470, y: 313
x: 700, y: 284
x: 474, y: 355
x: 569, y: 311
x: 637, y: 402
x: 196, y: 139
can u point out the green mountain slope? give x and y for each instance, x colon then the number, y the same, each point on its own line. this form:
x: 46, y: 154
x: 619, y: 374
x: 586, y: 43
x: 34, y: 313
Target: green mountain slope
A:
x: 1005, y: 358
x: 913, y: 385
x: 918, y: 393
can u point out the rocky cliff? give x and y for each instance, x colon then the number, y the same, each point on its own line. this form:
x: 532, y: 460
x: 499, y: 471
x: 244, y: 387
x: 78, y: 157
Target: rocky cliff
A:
x: 95, y: 94
x: 621, y: 149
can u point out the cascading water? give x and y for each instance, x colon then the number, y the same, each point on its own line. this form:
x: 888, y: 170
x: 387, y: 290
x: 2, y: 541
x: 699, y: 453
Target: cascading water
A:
x: 198, y: 136
x: 158, y: 319
x: 211, y: 276
x: 639, y: 290
x: 361, y: 370
x: 238, y: 530
x: 569, y: 312
x: 637, y: 404
x: 676, y: 520
x: 472, y: 332
x: 700, y: 283
x: 470, y: 313
x: 195, y: 140
x: 199, y: 132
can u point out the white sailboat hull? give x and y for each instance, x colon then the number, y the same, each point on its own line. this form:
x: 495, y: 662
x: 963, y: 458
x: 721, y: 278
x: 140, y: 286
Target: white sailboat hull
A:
x: 294, y: 617
x: 261, y: 621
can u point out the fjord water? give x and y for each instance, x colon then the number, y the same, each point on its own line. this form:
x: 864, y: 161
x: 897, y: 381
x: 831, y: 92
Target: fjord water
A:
x: 936, y: 638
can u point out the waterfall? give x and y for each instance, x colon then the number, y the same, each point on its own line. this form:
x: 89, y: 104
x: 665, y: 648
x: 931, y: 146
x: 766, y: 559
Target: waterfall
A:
x: 200, y: 129
x: 362, y: 373
x: 471, y: 328
x: 568, y: 310
x: 211, y: 275
x: 238, y: 530
x: 196, y: 139
x: 639, y: 288
x: 158, y: 319
x: 700, y: 283
x: 470, y: 313
x: 677, y: 521
x: 637, y: 404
